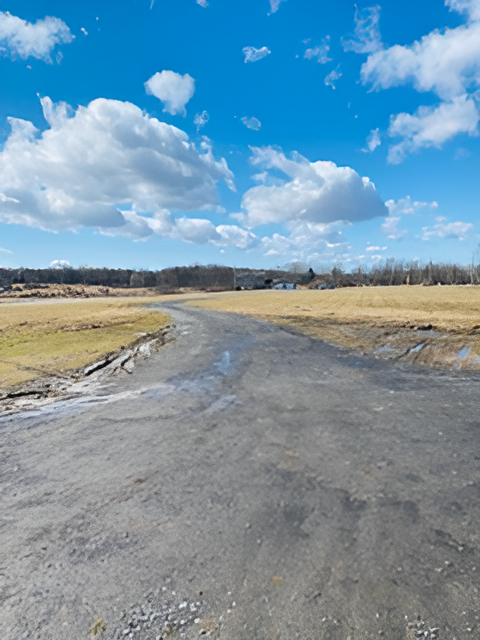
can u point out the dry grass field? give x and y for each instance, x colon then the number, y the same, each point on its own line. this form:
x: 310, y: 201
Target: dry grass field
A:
x: 395, y: 319
x: 38, y: 339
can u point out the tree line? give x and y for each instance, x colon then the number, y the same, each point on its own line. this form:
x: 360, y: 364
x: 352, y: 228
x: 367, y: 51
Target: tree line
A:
x: 389, y: 273
x: 166, y: 279
x: 393, y: 272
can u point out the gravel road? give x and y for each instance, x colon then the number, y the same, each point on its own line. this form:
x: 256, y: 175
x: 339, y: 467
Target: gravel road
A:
x: 245, y: 483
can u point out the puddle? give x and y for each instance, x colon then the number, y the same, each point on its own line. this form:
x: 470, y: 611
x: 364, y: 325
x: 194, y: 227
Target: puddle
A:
x: 89, y: 393
x: 418, y: 348
x: 225, y: 364
x: 463, y: 353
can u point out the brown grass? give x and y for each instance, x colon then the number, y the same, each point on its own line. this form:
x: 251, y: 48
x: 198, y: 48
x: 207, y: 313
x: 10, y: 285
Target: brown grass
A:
x: 42, y: 339
x: 449, y: 308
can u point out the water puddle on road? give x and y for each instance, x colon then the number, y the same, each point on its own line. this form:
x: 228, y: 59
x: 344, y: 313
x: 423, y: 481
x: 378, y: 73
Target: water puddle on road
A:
x: 463, y: 353
x: 90, y: 395
x: 418, y: 348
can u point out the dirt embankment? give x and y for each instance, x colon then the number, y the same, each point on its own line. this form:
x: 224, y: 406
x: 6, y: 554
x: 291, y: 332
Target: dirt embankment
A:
x: 19, y: 292
x: 45, y: 348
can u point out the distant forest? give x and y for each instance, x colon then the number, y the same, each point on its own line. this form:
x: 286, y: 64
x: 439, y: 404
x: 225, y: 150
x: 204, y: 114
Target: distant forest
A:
x: 217, y: 277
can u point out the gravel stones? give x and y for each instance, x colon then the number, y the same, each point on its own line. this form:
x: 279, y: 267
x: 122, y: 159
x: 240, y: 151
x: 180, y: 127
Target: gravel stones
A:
x: 419, y: 629
x: 157, y: 621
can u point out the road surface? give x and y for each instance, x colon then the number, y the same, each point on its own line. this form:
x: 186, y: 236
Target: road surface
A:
x: 290, y: 488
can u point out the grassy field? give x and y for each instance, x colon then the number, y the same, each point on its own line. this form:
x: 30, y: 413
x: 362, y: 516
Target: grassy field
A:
x: 370, y: 317
x: 38, y: 339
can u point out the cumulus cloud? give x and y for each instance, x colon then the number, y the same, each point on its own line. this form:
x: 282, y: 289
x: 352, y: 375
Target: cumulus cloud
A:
x: 444, y: 229
x: 332, y: 77
x: 60, y: 264
x: 232, y: 235
x: 372, y: 247
x: 366, y: 37
x: 193, y: 230
x: 109, y: 156
x: 308, y: 241
x: 320, y: 53
x: 203, y: 3
x: 391, y: 230
x: 397, y: 208
x: 25, y: 39
x: 173, y: 89
x: 201, y: 120
x: 445, y: 62
x: 470, y: 7
x: 408, y: 206
x: 432, y: 126
x: 84, y: 31
x: 252, y: 123
x: 314, y: 192
x: 252, y: 55
x: 373, y: 141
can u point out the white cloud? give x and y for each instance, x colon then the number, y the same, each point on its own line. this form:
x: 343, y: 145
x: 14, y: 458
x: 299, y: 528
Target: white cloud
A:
x: 390, y: 228
x: 252, y: 123
x: 308, y: 241
x: 252, y: 54
x: 274, y: 4
x: 193, y: 230
x: 407, y: 206
x: 444, y: 229
x: 201, y: 120
x: 4, y: 198
x: 232, y: 235
x: 431, y: 127
x: 320, y: 53
x: 470, y: 7
x: 172, y: 89
x: 202, y: 3
x: 5, y: 250
x: 109, y: 156
x: 445, y: 62
x: 84, y: 31
x: 24, y: 39
x: 60, y: 264
x: 366, y: 37
x: 372, y: 247
x: 373, y: 141
x: 316, y: 192
x: 331, y: 78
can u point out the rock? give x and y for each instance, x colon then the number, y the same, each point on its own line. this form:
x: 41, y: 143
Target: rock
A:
x: 129, y: 366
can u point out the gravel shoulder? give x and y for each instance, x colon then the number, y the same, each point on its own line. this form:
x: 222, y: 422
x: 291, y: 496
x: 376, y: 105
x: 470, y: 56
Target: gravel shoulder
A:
x: 252, y: 483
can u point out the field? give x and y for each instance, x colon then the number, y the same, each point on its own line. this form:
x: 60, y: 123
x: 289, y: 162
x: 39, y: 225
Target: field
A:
x: 431, y: 325
x: 440, y: 324
x: 41, y: 339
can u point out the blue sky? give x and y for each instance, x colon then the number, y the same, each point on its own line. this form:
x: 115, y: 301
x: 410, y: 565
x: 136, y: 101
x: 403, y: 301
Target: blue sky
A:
x: 150, y: 134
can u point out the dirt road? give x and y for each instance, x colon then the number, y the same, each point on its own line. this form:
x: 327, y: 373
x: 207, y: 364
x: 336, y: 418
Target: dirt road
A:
x: 257, y: 485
